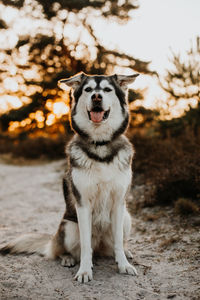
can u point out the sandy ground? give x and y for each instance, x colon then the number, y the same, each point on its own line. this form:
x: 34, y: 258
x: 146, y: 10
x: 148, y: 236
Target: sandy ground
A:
x: 165, y: 247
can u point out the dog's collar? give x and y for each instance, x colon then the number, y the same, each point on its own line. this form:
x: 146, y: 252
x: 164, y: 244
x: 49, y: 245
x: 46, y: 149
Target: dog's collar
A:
x: 100, y: 143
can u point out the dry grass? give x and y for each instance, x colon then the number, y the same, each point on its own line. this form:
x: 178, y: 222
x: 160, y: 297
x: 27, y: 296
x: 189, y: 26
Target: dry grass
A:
x: 151, y: 217
x: 33, y: 148
x: 171, y: 166
x: 185, y: 207
x: 168, y: 242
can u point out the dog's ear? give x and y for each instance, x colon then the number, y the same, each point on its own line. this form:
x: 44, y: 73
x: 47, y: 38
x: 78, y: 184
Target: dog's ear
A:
x: 125, y: 80
x: 73, y: 81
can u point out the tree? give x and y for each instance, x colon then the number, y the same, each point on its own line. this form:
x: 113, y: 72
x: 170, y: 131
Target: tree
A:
x: 183, y: 81
x: 48, y: 51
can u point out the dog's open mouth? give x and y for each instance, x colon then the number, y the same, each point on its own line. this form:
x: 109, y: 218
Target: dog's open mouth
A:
x: 97, y: 115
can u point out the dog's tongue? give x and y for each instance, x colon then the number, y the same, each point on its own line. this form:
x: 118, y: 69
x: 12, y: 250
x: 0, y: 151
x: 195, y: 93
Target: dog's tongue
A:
x: 96, y: 116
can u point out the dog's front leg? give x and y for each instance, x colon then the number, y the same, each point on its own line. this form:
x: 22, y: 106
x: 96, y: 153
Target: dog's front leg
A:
x: 84, y: 273
x: 117, y: 228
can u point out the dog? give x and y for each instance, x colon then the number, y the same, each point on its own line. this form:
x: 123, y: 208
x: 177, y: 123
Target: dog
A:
x: 97, y: 180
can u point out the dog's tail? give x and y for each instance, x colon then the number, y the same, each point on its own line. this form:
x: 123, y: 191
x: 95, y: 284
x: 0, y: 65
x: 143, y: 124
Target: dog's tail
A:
x: 31, y: 243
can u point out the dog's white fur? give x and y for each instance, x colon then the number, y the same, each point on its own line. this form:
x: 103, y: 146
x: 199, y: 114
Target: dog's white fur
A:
x: 104, y: 223
x: 102, y: 190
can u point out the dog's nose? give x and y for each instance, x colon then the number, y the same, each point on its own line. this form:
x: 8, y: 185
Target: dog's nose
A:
x: 96, y: 97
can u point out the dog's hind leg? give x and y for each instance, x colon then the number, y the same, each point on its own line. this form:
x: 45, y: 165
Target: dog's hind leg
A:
x: 66, y: 243
x: 71, y: 242
x: 67, y: 260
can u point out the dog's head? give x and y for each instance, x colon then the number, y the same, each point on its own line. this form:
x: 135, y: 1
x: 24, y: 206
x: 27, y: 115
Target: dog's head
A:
x: 99, y: 109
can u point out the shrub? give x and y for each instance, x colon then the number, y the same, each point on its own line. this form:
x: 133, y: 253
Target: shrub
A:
x: 32, y: 148
x: 185, y: 207
x: 171, y: 166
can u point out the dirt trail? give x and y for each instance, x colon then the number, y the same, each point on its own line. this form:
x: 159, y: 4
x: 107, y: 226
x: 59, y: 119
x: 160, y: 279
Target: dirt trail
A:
x: 166, y: 254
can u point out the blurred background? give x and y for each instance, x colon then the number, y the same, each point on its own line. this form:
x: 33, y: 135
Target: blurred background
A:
x: 44, y: 41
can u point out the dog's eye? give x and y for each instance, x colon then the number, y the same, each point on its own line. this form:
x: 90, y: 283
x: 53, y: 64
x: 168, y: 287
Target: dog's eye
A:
x: 107, y: 89
x: 88, y: 89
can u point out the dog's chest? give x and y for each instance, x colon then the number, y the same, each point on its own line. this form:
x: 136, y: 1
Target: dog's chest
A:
x: 102, y: 203
x: 102, y: 184
x: 99, y: 177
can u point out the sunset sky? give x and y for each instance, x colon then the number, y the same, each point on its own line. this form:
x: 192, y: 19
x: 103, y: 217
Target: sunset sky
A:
x: 155, y: 28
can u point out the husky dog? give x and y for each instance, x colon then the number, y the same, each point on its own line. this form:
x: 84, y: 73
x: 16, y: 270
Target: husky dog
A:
x: 97, y: 180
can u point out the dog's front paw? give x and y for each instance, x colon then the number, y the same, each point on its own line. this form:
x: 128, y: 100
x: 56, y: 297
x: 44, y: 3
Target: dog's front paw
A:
x: 127, y: 269
x: 84, y: 276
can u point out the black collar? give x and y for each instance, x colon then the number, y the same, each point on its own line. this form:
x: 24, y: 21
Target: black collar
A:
x: 100, y: 143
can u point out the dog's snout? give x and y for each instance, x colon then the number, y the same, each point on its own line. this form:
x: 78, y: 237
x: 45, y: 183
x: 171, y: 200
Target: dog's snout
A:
x: 96, y: 97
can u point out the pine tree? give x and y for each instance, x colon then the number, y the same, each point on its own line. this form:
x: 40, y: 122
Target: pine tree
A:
x: 183, y: 81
